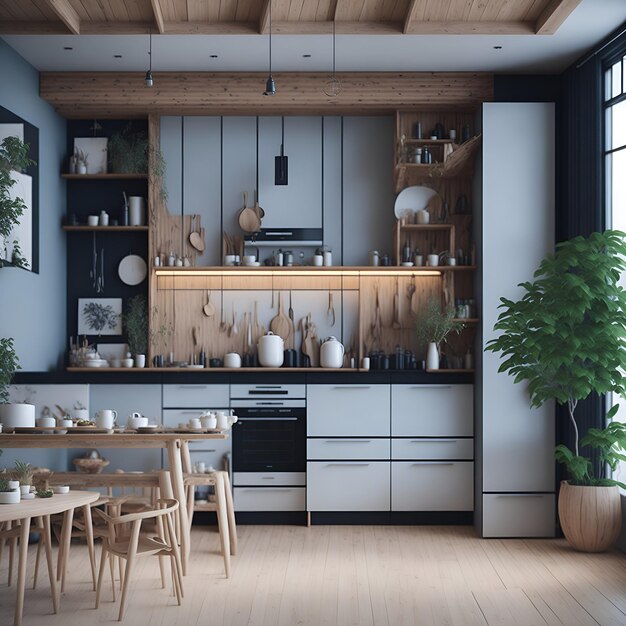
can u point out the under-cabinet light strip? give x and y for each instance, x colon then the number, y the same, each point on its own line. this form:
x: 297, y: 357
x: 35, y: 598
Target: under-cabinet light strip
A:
x: 264, y: 272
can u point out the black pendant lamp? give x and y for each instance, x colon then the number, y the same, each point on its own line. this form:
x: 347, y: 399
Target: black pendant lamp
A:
x: 281, y: 163
x: 332, y: 88
x: 270, y: 85
x: 149, y: 79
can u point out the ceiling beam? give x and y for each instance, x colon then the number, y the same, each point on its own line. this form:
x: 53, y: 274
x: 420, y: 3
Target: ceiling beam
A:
x: 554, y: 15
x: 470, y: 28
x: 67, y: 14
x: 123, y: 94
x: 158, y: 15
x: 414, y: 7
x: 264, y: 21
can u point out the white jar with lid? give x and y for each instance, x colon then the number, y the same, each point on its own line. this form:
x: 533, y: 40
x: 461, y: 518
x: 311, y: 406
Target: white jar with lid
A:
x: 374, y: 258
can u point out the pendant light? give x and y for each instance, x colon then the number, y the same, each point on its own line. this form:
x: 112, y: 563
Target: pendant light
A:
x: 332, y: 88
x: 149, y: 79
x: 281, y: 163
x: 270, y: 85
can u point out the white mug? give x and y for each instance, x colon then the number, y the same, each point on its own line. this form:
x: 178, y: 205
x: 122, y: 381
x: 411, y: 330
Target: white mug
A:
x: 194, y: 423
x: 229, y: 259
x: 232, y: 359
x: 136, y: 420
x: 208, y: 421
x: 418, y: 260
x: 105, y: 418
x: 433, y: 260
x: 318, y: 260
x: 365, y: 363
x: 249, y: 259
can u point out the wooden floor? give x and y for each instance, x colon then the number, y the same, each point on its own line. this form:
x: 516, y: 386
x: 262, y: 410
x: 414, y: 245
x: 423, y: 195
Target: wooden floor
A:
x: 360, y: 575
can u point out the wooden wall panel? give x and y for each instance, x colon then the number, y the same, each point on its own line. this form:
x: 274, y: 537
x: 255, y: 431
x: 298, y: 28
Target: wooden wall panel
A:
x: 112, y: 94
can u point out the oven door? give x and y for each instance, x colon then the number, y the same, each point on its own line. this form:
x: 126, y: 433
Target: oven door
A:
x: 269, y: 439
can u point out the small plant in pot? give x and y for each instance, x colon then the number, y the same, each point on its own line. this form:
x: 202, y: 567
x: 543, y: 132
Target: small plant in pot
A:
x: 566, y: 337
x: 8, y: 495
x: 12, y: 414
x: 23, y: 472
x: 434, y: 325
x: 136, y: 326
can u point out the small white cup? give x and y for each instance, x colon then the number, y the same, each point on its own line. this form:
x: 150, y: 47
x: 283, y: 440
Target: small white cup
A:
x: 46, y: 422
x: 318, y: 260
x: 92, y: 220
x: 249, y: 259
x: 24, y: 490
x: 201, y: 467
x: 106, y: 418
x: 229, y: 259
x: 195, y: 424
x: 232, y: 359
x: 365, y: 363
x: 433, y: 260
x: 451, y: 261
x: 418, y: 260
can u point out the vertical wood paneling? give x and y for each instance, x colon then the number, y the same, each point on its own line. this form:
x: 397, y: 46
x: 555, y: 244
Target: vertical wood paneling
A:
x: 171, y: 148
x: 333, y: 226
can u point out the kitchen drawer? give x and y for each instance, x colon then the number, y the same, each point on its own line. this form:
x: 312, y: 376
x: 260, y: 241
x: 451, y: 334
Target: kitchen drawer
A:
x: 296, y: 479
x: 437, y: 448
x: 348, y: 448
x: 432, y: 410
x: 432, y: 486
x: 173, y: 417
x: 348, y: 410
x: 211, y: 451
x: 348, y: 486
x: 195, y: 396
x: 269, y: 498
x: 518, y: 515
x: 277, y: 391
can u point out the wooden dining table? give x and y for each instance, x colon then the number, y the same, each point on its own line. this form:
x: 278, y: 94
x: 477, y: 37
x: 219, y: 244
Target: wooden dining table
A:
x: 26, y: 510
x: 172, y: 442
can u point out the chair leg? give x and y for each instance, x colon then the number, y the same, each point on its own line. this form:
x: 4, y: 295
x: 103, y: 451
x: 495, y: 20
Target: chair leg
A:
x: 173, y: 542
x: 64, y: 549
x: 37, y: 557
x: 103, y: 559
x: 230, y: 509
x: 175, y: 580
x: 12, y: 545
x: 47, y: 541
x: 130, y: 562
x: 90, y: 546
x: 159, y: 522
x: 222, y: 521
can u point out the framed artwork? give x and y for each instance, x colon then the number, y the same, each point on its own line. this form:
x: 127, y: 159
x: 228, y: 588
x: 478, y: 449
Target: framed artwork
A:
x: 24, y: 237
x: 99, y: 316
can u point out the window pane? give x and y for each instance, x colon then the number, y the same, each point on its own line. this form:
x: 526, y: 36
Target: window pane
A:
x: 617, y: 166
x: 616, y: 126
x: 607, y: 84
x: 616, y: 81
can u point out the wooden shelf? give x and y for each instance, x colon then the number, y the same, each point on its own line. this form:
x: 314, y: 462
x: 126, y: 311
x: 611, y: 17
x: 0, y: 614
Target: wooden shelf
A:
x: 428, y: 142
x: 210, y: 369
x: 131, y: 229
x: 451, y: 371
x: 105, y: 176
x: 467, y: 320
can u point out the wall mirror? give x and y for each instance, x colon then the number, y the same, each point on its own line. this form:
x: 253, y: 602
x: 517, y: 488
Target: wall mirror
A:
x: 25, y: 234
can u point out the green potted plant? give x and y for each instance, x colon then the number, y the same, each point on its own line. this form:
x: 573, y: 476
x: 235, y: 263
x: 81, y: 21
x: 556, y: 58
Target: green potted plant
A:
x: 23, y: 472
x: 12, y: 414
x: 8, y: 495
x: 13, y: 158
x: 434, y: 324
x: 566, y: 337
x: 135, y: 321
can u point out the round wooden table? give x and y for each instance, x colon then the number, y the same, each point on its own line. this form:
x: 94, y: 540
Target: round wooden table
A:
x: 41, y: 507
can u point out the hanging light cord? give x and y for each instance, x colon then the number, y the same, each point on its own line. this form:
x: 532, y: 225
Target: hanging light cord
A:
x: 334, y: 48
x: 282, y: 139
x: 270, y: 37
x: 150, y: 51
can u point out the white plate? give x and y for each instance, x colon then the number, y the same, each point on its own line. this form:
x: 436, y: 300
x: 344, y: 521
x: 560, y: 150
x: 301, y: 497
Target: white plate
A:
x: 132, y: 269
x: 96, y: 363
x: 411, y: 200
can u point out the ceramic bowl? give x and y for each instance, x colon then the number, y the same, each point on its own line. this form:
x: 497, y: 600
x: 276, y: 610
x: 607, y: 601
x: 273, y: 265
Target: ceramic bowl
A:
x: 127, y: 362
x: 61, y: 489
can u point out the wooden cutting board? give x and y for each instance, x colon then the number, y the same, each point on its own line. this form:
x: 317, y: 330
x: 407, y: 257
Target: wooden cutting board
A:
x: 281, y: 324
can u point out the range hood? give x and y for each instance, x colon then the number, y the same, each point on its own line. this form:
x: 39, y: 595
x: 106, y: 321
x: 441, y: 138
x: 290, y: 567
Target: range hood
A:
x: 295, y: 237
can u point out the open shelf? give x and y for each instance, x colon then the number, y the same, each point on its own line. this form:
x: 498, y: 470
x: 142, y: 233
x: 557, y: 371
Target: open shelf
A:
x: 105, y: 176
x: 130, y: 229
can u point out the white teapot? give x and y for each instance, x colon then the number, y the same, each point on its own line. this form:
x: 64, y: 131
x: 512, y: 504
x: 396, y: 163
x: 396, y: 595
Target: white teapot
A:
x: 271, y: 349
x: 331, y: 353
x: 224, y: 420
x: 208, y: 420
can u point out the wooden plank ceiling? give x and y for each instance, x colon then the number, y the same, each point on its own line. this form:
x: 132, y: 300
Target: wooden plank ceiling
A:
x: 368, y: 17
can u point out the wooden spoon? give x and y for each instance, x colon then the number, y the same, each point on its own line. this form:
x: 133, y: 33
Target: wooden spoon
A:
x: 195, y: 238
x: 249, y: 220
x: 281, y: 325
x: 208, y: 309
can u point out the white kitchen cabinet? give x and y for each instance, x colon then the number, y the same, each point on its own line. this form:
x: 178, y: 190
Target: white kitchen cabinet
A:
x: 432, y: 448
x: 347, y: 448
x: 348, y: 486
x: 269, y: 498
x: 270, y: 479
x: 432, y: 486
x: 432, y: 410
x: 195, y: 396
x: 518, y: 515
x: 348, y: 410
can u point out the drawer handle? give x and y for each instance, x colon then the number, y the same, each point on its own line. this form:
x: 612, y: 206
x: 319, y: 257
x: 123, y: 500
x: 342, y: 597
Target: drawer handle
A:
x: 268, y: 477
x: 192, y: 386
x: 267, y: 489
x: 433, y: 440
x: 347, y: 464
x: 348, y: 441
x: 196, y: 412
x: 521, y: 495
x: 433, y: 463
x: 352, y: 387
x: 431, y: 387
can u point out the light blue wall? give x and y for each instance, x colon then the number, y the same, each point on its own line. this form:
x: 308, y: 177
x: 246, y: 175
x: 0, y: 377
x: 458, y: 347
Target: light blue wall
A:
x: 32, y: 306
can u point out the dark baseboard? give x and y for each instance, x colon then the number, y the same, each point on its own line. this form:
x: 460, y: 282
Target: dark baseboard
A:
x: 393, y: 518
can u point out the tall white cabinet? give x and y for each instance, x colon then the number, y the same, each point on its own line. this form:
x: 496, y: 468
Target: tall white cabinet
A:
x: 515, y: 479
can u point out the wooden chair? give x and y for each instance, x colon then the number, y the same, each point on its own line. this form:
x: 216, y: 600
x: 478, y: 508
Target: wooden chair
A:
x: 137, y: 545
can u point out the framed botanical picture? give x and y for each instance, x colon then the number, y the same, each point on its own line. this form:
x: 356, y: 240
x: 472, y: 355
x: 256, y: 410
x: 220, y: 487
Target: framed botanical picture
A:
x: 99, y: 316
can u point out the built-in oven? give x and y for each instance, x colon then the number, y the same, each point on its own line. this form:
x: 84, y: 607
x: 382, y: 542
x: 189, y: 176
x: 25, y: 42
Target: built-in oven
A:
x: 269, y: 447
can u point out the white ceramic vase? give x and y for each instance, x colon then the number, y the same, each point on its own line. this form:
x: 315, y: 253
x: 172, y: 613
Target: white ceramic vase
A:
x: 17, y: 415
x: 140, y: 360
x: 432, y: 357
x: 9, y: 497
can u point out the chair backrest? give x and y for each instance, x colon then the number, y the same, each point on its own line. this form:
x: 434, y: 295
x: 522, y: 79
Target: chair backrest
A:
x: 165, y: 507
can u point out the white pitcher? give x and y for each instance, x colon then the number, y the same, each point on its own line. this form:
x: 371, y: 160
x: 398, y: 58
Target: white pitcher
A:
x: 331, y: 353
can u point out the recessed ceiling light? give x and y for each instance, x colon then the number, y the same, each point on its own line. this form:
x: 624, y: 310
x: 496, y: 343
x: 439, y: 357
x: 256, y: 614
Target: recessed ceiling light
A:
x: 306, y: 56
x: 117, y: 56
x: 213, y: 56
x: 497, y: 47
x: 67, y: 48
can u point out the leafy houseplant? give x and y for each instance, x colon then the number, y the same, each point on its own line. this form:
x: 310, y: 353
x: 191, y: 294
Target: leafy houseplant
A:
x: 9, y: 364
x: 434, y: 324
x: 136, y: 325
x: 13, y: 157
x: 567, y: 338
x: 24, y: 473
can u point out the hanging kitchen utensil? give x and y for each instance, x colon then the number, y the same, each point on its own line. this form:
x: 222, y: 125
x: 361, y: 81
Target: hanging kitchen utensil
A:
x: 410, y: 290
x: 223, y: 322
x: 281, y: 325
x: 256, y: 208
x: 93, y: 274
x: 396, y: 307
x: 195, y: 238
x: 100, y: 278
x: 234, y: 329
x: 208, y: 309
x: 281, y: 163
x: 414, y: 298
x: 249, y: 221
x: 330, y: 313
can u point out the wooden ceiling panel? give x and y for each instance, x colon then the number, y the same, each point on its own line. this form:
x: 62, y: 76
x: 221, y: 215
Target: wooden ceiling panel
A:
x: 303, y: 17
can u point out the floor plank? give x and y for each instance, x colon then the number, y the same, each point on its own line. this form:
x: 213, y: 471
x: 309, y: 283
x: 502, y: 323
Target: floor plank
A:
x: 351, y: 575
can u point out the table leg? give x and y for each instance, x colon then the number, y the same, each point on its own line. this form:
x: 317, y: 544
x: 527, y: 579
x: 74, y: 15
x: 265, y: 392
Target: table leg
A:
x: 222, y: 520
x: 90, y: 546
x: 21, y: 571
x: 64, y: 546
x: 47, y: 541
x: 230, y: 509
x: 178, y: 487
